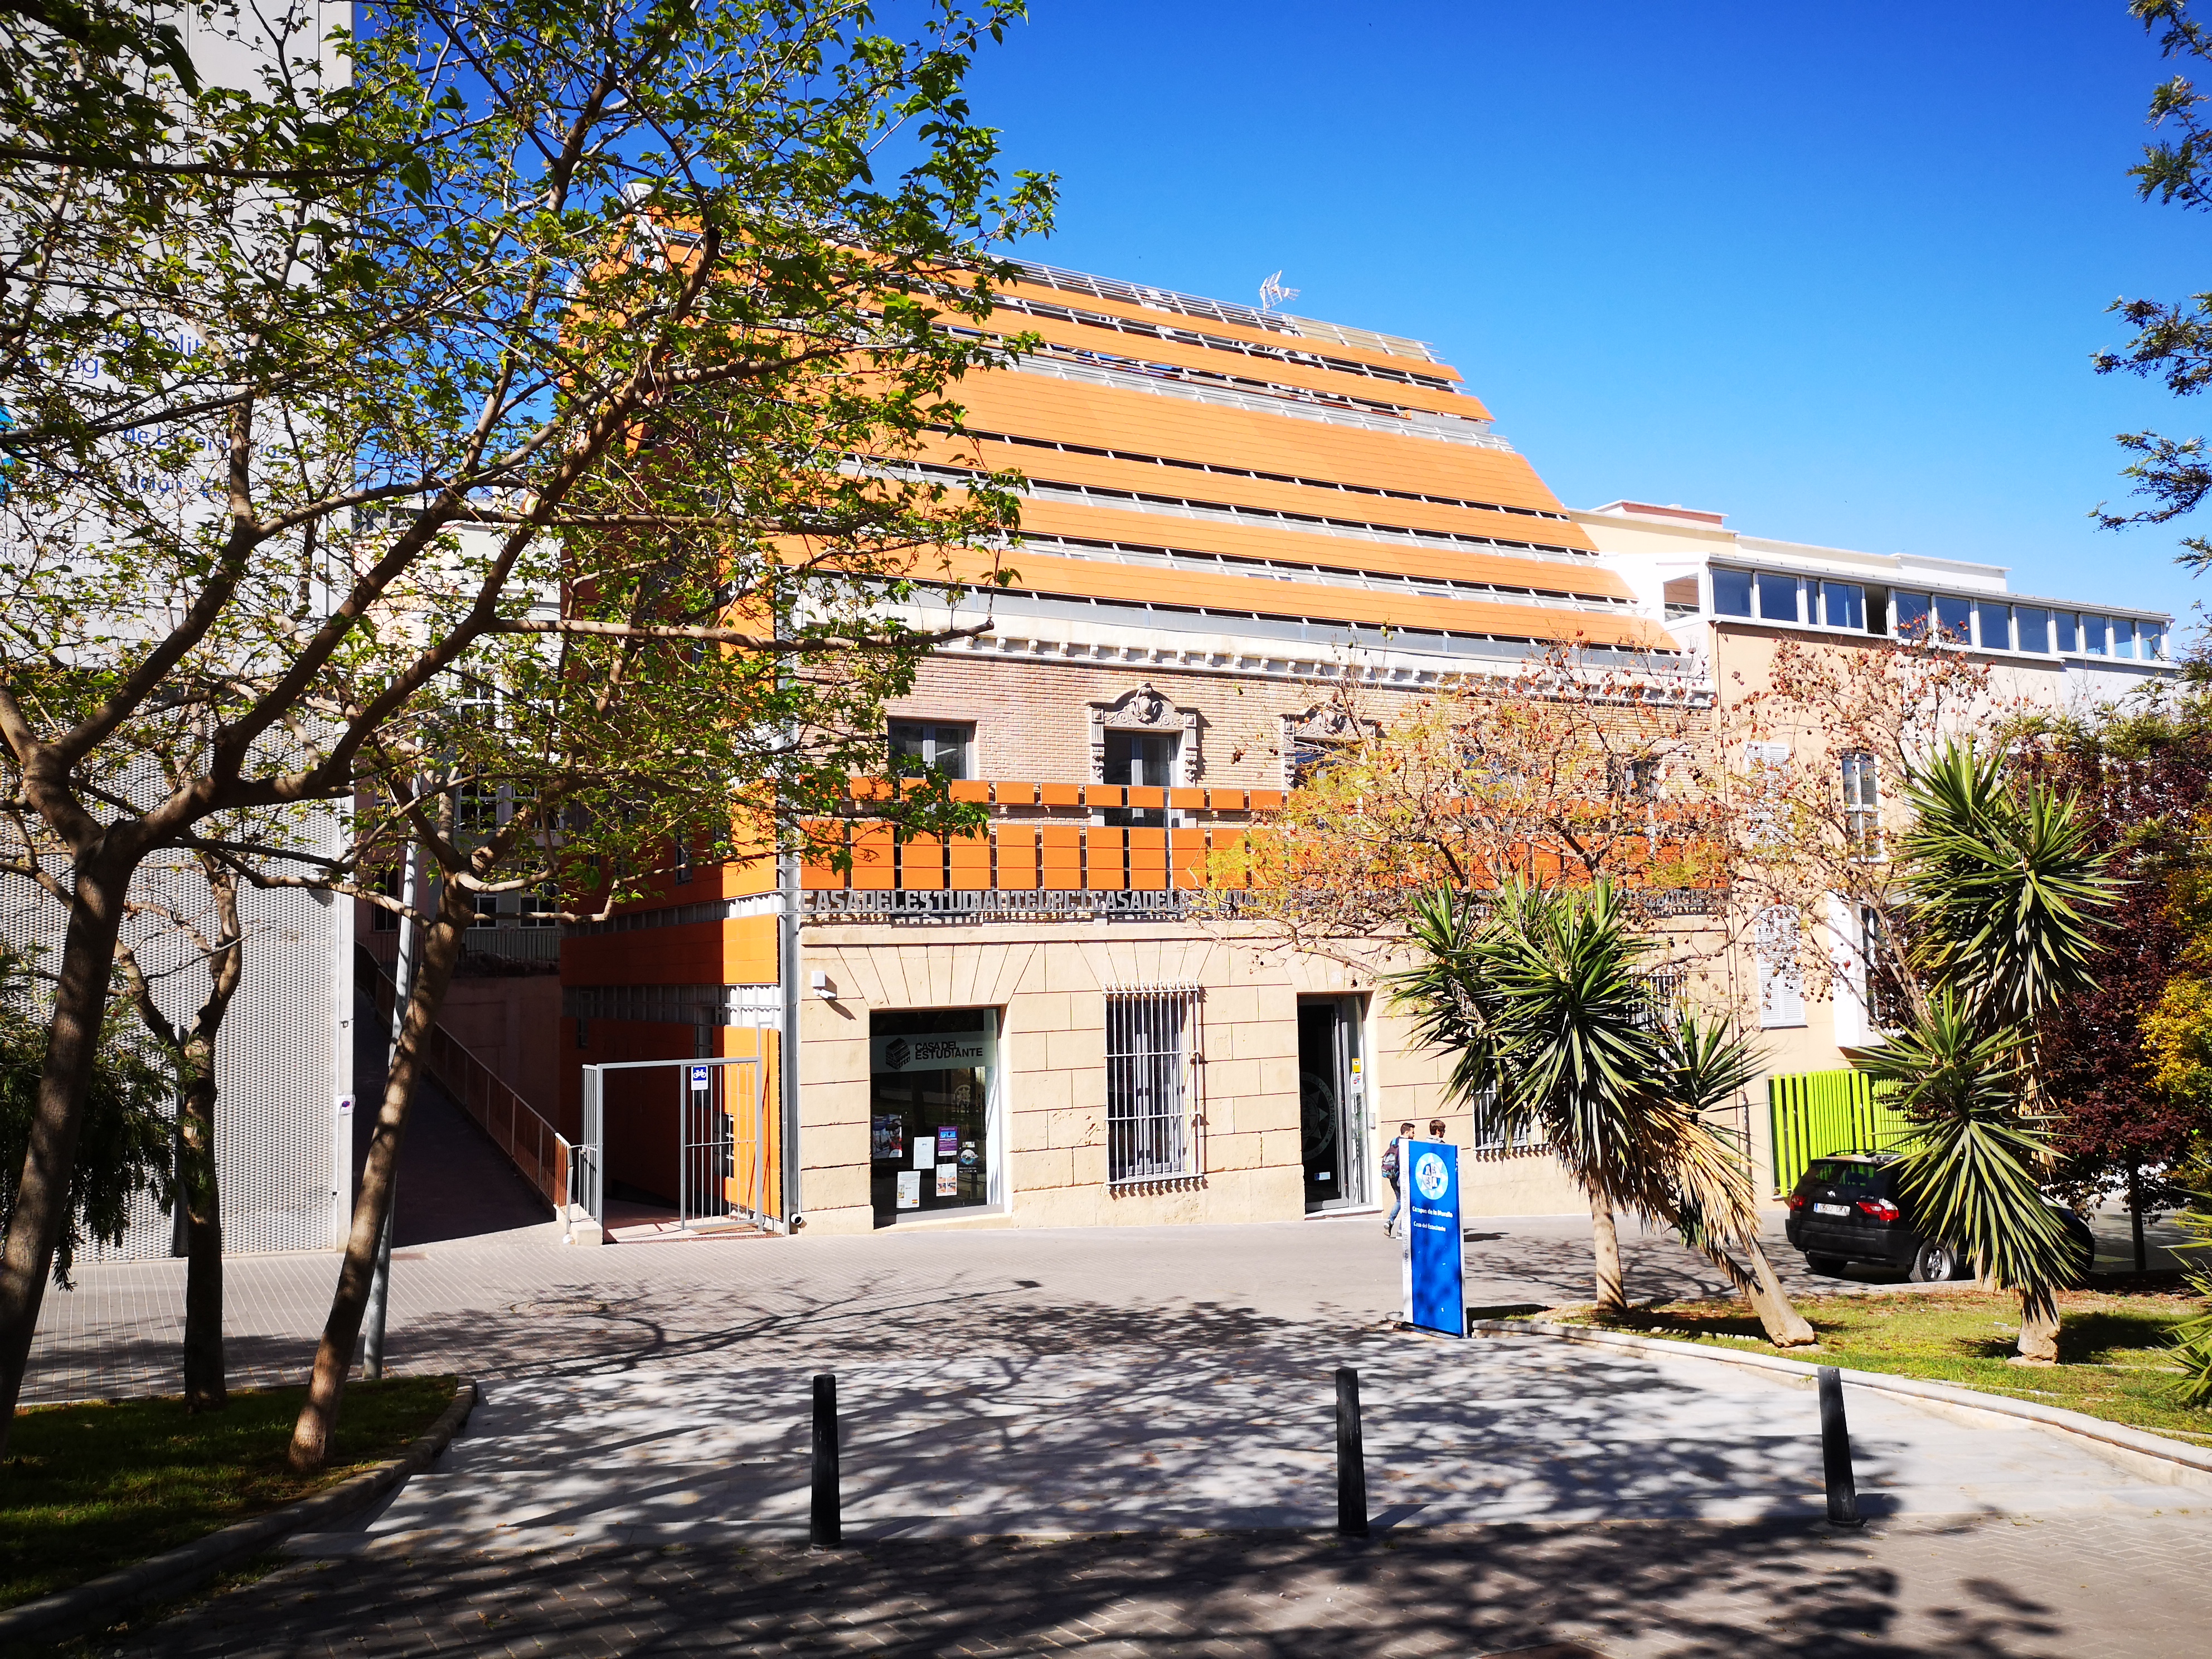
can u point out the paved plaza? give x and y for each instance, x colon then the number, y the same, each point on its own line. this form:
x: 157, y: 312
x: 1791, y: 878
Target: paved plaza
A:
x: 1118, y: 1442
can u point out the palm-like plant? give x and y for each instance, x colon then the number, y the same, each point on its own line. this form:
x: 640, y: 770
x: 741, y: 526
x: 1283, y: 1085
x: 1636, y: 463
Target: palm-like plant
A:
x: 2003, y: 897
x: 1537, y: 994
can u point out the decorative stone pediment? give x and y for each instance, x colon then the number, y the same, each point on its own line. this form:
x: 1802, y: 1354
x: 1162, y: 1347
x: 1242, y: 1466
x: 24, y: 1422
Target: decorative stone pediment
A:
x: 1145, y: 709
x: 1331, y: 723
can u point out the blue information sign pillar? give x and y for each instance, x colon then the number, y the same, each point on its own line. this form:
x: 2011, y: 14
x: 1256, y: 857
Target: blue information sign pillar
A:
x: 1435, y: 1256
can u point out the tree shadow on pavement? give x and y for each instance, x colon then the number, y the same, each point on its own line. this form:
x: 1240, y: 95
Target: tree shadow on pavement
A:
x: 1682, y: 1590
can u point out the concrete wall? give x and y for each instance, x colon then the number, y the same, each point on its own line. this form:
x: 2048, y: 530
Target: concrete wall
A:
x: 1048, y: 984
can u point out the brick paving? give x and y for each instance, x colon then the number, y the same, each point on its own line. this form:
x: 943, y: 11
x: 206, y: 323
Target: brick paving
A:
x: 2117, y: 1588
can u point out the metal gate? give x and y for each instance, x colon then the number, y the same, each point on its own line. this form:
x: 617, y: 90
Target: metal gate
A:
x: 727, y: 1137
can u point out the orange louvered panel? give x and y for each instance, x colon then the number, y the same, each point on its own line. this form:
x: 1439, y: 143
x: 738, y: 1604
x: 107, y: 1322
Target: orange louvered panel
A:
x: 873, y: 854
x: 1231, y: 848
x: 1060, y: 855
x: 921, y: 864
x: 1187, y: 857
x: 1191, y: 800
x: 817, y: 876
x: 1017, y: 858
x: 968, y: 859
x: 1059, y: 794
x: 1106, y: 860
x: 1148, y: 855
x: 970, y: 789
x: 1105, y: 795
x: 1147, y: 798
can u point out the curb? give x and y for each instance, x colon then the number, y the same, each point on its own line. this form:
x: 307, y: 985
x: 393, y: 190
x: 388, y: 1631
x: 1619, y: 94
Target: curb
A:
x: 101, y: 1600
x: 2187, y: 1465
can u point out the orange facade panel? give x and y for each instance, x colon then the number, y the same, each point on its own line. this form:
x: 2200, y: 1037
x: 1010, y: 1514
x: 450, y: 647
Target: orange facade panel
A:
x: 1313, y: 377
x: 1017, y: 846
x: 875, y: 855
x: 1106, y: 860
x: 1187, y: 856
x: 1148, y: 859
x: 1191, y: 483
x: 818, y: 875
x: 1059, y: 856
x: 1139, y: 585
x: 968, y: 862
x: 1116, y: 417
x: 1107, y: 523
x: 921, y: 864
x: 1076, y: 300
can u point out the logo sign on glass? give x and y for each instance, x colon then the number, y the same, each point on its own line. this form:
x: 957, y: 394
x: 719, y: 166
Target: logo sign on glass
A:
x: 952, y: 1051
x: 1436, y: 1261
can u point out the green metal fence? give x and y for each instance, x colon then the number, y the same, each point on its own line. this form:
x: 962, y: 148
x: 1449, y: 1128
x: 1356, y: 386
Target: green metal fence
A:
x: 1817, y: 1113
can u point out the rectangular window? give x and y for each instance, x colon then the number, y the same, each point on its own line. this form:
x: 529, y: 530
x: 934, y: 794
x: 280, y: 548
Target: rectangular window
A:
x: 381, y: 920
x: 1842, y: 604
x: 1861, y: 804
x: 2093, y: 635
x: 1777, y: 597
x: 2124, y: 637
x: 919, y: 746
x: 1765, y: 764
x: 680, y: 861
x: 1499, y: 1134
x: 2033, y: 622
x: 1781, y: 978
x: 1147, y: 759
x: 2069, y: 627
x: 1150, y: 1131
x: 1884, y: 999
x: 487, y: 910
x: 1679, y: 596
x: 1954, y: 619
x: 2154, y: 642
x: 1993, y: 625
x: 930, y: 1122
x: 1912, y: 615
x: 541, y: 908
x: 1731, y: 592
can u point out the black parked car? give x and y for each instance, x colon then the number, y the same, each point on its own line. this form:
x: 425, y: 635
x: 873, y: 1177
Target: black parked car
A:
x: 1848, y: 1207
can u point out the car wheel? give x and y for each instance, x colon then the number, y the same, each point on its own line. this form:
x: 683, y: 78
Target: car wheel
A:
x: 1833, y: 1265
x: 1934, y: 1263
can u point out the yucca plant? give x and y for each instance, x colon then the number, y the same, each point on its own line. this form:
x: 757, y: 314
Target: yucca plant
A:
x: 2003, y: 896
x: 2192, y: 1338
x: 1537, y: 994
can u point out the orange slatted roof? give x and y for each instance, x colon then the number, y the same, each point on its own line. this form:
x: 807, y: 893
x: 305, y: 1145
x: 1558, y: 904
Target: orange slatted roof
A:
x: 1075, y: 299
x: 1040, y: 572
x: 1105, y: 523
x: 1189, y: 483
x: 1112, y: 418
x: 1108, y: 342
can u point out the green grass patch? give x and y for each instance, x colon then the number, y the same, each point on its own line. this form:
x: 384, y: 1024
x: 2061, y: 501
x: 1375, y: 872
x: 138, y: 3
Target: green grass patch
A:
x: 2115, y: 1358
x: 87, y: 1488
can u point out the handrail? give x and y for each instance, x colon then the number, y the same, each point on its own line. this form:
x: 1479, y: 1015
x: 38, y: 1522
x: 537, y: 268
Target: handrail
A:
x: 538, y: 1150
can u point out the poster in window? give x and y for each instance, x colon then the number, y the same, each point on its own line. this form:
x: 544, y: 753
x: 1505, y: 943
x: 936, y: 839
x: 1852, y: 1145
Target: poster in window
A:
x: 948, y: 1143
x: 925, y: 1152
x: 909, y: 1189
x: 887, y: 1138
x: 948, y: 1181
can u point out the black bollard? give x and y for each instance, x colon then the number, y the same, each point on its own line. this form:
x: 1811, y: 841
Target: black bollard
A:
x: 827, y: 1529
x: 1836, y: 1452
x: 1350, y: 1457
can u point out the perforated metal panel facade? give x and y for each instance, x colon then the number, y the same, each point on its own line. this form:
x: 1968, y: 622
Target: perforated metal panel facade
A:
x: 282, y: 1063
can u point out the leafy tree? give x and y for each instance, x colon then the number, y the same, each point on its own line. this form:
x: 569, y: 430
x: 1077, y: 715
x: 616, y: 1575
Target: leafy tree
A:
x: 619, y: 288
x: 1537, y: 993
x: 2003, y: 895
x: 125, y: 1144
x: 2126, y: 1061
x: 2173, y: 340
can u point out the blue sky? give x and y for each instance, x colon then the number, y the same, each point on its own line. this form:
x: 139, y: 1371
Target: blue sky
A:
x: 1835, y: 271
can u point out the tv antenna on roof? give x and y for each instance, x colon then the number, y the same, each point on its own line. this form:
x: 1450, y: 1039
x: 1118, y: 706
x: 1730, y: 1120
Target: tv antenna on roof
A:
x: 1273, y: 294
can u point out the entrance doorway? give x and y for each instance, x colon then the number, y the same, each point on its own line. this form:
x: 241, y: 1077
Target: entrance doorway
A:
x: 930, y: 1141
x: 708, y: 1131
x: 1333, y: 1103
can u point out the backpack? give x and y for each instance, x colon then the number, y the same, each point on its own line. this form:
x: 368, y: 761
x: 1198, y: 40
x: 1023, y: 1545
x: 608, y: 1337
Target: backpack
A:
x: 1390, y: 1162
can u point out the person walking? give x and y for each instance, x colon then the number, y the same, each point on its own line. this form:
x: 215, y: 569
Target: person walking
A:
x: 1390, y: 1172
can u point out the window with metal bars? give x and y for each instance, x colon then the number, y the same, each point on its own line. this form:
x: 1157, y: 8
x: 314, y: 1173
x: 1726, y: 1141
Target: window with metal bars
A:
x: 1151, y: 1128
